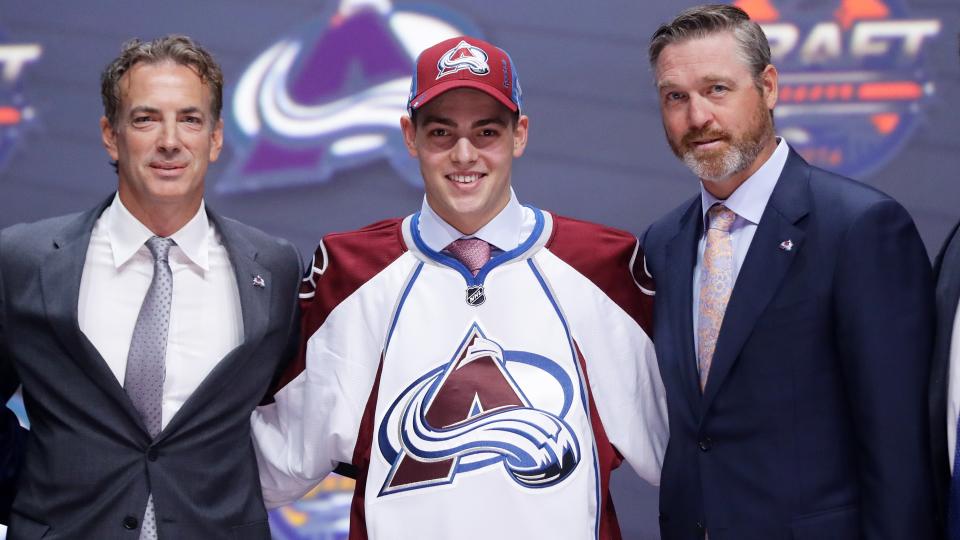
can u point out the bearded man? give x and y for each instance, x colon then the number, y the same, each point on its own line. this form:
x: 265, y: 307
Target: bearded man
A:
x: 793, y: 317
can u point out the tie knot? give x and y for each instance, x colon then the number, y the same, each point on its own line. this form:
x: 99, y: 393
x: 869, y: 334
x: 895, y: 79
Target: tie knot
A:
x: 720, y: 217
x: 472, y: 252
x: 159, y: 247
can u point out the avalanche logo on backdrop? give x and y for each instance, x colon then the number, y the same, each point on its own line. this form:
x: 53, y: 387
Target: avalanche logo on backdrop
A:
x: 330, y: 96
x: 463, y: 56
x: 852, y: 79
x: 472, y: 413
x: 15, y: 112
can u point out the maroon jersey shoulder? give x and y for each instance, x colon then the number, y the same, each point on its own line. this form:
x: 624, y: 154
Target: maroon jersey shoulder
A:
x: 345, y: 261
x: 612, y: 259
x: 341, y: 264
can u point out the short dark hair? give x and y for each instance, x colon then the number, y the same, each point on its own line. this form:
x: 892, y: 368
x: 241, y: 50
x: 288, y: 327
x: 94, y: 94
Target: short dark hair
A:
x: 702, y: 21
x: 173, y: 48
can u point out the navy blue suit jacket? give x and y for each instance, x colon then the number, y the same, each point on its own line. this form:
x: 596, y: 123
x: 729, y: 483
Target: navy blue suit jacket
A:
x: 947, y: 272
x: 813, y: 423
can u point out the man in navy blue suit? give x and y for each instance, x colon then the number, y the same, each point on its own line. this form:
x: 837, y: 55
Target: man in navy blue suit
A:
x: 12, y: 444
x: 945, y: 384
x: 794, y: 317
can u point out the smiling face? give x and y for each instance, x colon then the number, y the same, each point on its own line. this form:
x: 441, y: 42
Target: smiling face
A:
x: 164, y: 139
x: 466, y: 142
x: 715, y: 114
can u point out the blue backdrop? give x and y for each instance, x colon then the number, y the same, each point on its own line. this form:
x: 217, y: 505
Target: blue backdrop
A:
x: 316, y: 88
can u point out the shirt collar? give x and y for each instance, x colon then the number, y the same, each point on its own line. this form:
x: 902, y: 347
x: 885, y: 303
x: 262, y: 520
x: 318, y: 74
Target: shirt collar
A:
x: 750, y: 199
x: 127, y: 234
x: 503, y: 231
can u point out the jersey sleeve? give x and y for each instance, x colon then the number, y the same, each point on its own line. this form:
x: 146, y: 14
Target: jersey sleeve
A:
x: 609, y: 302
x: 313, y: 421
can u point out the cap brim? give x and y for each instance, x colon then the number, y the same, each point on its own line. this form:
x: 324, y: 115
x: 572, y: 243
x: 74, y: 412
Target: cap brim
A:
x: 436, y: 90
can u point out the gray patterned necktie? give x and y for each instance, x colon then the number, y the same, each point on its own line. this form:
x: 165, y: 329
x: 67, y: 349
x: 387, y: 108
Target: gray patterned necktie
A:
x: 146, y: 368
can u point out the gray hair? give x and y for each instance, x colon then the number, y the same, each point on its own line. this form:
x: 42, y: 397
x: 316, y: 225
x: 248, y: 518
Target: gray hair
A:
x: 173, y: 48
x: 702, y: 21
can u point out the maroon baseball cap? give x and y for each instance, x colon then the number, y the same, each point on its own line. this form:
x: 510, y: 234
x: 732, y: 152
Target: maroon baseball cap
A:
x: 464, y: 62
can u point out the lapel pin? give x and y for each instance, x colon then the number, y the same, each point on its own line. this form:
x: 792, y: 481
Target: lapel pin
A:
x: 259, y: 282
x: 786, y: 245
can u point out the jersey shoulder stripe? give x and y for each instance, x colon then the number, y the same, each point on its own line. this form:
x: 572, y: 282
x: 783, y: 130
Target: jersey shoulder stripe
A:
x: 609, y: 258
x: 341, y: 264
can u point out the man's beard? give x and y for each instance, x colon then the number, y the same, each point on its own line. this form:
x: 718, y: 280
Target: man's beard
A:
x: 740, y: 153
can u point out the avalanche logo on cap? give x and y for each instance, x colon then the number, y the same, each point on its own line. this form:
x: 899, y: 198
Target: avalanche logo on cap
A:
x: 329, y: 96
x: 853, y: 84
x: 463, y: 56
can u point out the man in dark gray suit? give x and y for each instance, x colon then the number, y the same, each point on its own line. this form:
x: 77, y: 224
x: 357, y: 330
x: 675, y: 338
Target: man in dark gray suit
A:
x: 145, y: 330
x: 12, y: 442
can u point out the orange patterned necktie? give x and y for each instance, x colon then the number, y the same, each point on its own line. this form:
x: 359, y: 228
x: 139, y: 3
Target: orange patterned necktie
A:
x: 716, y: 282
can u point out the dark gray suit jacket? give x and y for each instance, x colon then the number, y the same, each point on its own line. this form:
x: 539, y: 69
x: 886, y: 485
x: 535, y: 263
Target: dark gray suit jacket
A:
x: 12, y: 448
x: 90, y: 463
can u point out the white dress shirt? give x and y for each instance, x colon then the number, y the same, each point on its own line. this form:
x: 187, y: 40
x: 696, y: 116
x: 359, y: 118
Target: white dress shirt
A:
x: 505, y: 231
x: 953, y: 389
x: 748, y: 202
x: 205, y: 318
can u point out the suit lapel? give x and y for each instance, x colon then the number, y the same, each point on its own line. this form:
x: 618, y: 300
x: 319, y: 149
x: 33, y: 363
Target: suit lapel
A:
x: 948, y: 285
x: 255, y: 304
x: 681, y: 258
x: 948, y: 295
x: 60, y: 285
x: 763, y: 269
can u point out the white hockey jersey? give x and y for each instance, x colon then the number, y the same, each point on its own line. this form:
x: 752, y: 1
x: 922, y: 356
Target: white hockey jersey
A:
x: 481, y: 407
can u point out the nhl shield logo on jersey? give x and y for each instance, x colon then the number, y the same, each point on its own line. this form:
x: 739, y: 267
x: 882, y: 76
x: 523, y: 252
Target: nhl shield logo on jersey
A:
x: 463, y: 56
x: 473, y: 413
x: 475, y: 295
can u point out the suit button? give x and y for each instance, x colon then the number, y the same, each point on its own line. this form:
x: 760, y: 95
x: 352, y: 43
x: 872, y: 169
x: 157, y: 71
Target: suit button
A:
x: 663, y: 518
x: 130, y: 523
x: 705, y: 444
x: 152, y: 454
x: 699, y: 525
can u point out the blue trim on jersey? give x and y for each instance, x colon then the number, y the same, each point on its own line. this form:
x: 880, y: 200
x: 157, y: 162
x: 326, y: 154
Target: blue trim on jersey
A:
x: 494, y: 262
x: 583, y: 390
x: 403, y: 298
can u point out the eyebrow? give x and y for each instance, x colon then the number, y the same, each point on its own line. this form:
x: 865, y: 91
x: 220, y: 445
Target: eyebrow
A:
x: 709, y: 79
x: 479, y: 123
x: 153, y: 110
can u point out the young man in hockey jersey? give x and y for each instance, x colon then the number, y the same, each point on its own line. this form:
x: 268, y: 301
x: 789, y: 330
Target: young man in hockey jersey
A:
x: 483, y: 365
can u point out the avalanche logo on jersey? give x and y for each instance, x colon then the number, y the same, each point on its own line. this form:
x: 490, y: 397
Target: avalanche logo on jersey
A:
x: 15, y: 112
x: 472, y: 413
x: 463, y: 56
x: 329, y: 97
x: 852, y: 78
